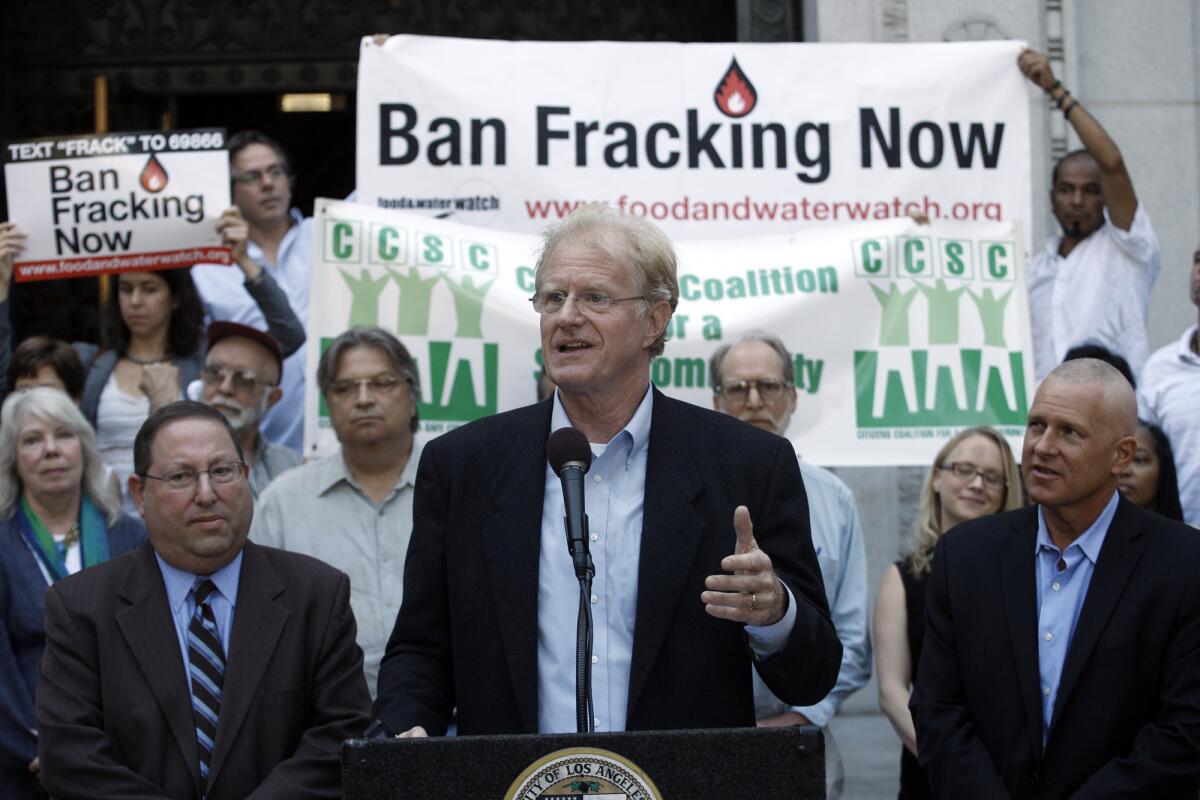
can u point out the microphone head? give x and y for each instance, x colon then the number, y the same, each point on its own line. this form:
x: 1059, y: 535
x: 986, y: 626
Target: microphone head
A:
x: 566, y: 445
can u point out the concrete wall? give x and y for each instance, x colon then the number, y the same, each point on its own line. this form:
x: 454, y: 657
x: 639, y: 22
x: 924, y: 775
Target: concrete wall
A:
x: 1136, y: 65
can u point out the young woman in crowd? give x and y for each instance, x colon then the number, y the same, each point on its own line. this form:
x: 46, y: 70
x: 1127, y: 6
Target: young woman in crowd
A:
x: 973, y: 475
x: 152, y: 329
x: 1150, y: 480
x: 59, y: 515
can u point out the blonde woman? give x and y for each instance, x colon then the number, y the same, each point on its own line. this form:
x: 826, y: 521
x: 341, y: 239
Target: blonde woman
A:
x: 973, y: 475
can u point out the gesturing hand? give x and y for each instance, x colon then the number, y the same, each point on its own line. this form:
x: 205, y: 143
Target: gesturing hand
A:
x: 752, y: 595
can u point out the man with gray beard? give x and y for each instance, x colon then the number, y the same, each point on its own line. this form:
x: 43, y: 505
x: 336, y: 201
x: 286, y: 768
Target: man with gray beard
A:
x: 241, y: 380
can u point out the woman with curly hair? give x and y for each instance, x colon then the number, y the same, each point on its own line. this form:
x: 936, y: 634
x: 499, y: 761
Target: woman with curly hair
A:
x: 973, y: 475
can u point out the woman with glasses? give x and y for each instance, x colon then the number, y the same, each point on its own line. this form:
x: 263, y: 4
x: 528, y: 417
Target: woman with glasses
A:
x: 1150, y: 480
x: 60, y: 515
x: 973, y: 475
x: 152, y: 329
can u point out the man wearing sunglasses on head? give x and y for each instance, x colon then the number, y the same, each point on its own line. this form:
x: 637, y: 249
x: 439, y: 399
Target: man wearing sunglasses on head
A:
x: 240, y: 378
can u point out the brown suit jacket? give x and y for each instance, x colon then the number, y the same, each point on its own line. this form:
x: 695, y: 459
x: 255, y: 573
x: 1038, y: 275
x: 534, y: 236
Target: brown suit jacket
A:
x: 113, y: 709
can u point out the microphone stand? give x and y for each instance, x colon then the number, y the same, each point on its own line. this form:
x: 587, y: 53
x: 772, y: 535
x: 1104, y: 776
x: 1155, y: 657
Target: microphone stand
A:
x: 585, y: 570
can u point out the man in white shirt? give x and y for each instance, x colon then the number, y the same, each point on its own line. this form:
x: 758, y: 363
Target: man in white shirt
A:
x: 1169, y: 397
x: 281, y: 243
x: 755, y: 380
x: 1093, y: 282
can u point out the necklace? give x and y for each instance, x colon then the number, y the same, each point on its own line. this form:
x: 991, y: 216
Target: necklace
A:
x: 71, y: 537
x: 145, y: 362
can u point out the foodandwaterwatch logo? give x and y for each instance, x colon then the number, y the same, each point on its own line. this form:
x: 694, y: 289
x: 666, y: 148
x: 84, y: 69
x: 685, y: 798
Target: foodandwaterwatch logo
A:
x: 943, y: 356
x: 458, y: 370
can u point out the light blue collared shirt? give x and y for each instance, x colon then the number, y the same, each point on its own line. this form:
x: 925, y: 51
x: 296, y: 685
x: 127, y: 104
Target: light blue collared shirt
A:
x: 1060, y: 595
x: 614, y: 496
x: 181, y: 598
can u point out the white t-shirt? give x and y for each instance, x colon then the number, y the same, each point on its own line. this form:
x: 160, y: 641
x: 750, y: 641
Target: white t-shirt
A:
x: 1099, y: 294
x: 1169, y: 397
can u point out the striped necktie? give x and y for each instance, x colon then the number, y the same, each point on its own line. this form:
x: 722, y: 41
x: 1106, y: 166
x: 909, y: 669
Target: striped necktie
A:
x: 206, y: 667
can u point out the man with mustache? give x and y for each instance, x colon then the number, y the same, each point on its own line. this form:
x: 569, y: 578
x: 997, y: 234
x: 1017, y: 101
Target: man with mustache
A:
x: 240, y: 379
x: 200, y: 664
x: 353, y: 509
x: 280, y: 242
x: 1093, y: 282
x: 1062, y: 642
x: 754, y: 380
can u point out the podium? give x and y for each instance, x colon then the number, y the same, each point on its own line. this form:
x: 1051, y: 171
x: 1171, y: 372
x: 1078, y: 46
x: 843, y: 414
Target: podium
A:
x: 724, y: 764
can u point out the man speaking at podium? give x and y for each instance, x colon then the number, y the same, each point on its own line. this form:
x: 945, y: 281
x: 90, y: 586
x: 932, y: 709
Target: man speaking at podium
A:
x: 698, y: 531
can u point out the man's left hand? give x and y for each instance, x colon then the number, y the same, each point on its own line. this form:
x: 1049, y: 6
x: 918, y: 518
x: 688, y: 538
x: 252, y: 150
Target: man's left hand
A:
x: 753, y: 594
x: 784, y: 720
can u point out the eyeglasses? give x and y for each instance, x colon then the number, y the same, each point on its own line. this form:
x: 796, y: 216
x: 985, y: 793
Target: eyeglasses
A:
x: 966, y: 471
x: 379, y: 384
x: 274, y: 172
x: 244, y: 380
x: 184, y: 478
x: 769, y: 390
x: 588, y: 302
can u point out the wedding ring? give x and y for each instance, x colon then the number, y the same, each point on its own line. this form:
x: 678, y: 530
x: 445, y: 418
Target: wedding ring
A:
x: 753, y: 602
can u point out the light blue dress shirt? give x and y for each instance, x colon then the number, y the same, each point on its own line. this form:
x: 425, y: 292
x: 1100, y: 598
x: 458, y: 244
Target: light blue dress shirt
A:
x: 1060, y: 595
x: 614, y: 498
x: 182, y: 601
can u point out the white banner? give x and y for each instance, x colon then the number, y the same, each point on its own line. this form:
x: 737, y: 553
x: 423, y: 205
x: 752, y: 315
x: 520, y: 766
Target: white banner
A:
x: 901, y: 334
x: 706, y: 139
x: 115, y: 202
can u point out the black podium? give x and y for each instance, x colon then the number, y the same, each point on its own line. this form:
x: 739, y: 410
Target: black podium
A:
x: 723, y: 764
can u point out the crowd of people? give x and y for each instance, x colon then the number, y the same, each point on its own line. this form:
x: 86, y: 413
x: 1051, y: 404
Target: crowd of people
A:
x: 188, y: 609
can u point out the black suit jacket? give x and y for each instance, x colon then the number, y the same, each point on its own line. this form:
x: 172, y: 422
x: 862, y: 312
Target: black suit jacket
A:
x: 114, y: 713
x: 466, y: 634
x: 1126, y: 720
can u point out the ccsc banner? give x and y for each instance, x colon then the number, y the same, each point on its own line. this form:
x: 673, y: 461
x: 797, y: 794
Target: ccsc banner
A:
x: 901, y: 334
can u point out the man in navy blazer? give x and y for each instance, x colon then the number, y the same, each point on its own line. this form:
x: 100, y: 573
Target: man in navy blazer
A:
x: 1062, y: 648
x: 699, y: 532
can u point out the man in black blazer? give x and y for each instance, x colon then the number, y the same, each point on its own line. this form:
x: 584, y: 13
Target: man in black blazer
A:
x: 699, y: 529
x: 1062, y: 650
x: 117, y: 701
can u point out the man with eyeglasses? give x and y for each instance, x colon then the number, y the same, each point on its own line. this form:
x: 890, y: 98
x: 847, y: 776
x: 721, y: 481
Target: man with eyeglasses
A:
x: 354, y: 508
x: 1062, y: 643
x: 240, y: 378
x: 754, y: 380
x: 698, y: 533
x: 199, y: 665
x: 279, y: 241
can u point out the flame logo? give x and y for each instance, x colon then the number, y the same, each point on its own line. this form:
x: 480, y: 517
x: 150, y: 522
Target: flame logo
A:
x: 153, y: 177
x: 735, y: 95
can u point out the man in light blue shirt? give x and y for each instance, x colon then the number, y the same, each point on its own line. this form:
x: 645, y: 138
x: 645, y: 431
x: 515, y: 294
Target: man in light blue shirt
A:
x: 281, y: 243
x: 1062, y: 646
x: 754, y: 379
x: 698, y: 530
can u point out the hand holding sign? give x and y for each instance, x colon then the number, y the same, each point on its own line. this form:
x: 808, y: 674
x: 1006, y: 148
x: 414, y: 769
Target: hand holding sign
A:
x: 235, y: 233
x: 11, y: 243
x: 752, y: 595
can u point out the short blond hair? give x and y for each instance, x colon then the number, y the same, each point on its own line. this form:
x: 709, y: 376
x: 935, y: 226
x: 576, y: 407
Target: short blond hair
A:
x: 628, y: 241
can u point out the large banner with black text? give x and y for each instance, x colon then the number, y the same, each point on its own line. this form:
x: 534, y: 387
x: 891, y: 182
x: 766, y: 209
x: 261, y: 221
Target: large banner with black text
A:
x: 707, y: 140
x: 901, y: 334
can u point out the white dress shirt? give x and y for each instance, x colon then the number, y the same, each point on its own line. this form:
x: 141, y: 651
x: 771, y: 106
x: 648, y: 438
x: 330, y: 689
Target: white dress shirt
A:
x: 1169, y: 397
x: 1099, y: 294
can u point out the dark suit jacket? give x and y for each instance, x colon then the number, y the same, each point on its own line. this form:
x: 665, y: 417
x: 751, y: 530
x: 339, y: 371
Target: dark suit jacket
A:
x: 1126, y: 720
x: 466, y: 634
x: 113, y: 709
x: 22, y: 640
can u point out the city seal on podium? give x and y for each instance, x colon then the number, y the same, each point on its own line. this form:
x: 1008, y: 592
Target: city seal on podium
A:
x: 582, y: 773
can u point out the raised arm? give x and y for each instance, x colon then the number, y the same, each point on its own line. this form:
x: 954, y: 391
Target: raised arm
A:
x: 1119, y: 196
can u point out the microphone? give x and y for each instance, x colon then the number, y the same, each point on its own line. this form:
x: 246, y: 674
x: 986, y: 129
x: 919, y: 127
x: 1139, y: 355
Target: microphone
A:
x: 570, y: 455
